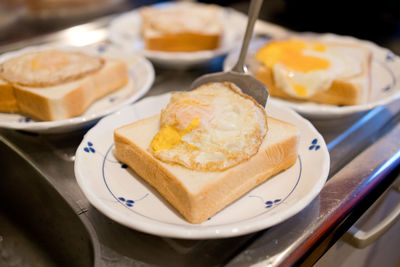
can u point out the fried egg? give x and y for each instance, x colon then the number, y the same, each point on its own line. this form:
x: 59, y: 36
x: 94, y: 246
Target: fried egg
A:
x: 211, y: 128
x: 302, y: 67
x: 49, y: 67
x: 188, y: 17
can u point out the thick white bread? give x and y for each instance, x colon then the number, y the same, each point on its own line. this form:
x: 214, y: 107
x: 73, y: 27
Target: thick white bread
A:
x: 69, y: 99
x: 184, y: 27
x: 344, y: 90
x: 198, y: 195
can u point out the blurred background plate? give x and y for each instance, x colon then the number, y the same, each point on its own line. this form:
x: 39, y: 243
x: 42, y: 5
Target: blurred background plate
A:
x: 140, y: 71
x: 385, y: 72
x: 125, y: 31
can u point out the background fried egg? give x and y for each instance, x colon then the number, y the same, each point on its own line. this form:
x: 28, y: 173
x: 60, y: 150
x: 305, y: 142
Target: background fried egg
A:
x: 189, y: 17
x: 49, y: 67
x: 302, y: 68
x: 211, y: 128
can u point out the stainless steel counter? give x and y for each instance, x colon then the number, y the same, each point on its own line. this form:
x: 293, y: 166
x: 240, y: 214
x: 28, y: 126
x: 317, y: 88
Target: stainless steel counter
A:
x: 365, y: 156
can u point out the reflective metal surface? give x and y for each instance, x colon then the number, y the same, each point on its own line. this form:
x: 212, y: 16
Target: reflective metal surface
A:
x: 37, y: 226
x: 342, y: 195
x: 364, y: 152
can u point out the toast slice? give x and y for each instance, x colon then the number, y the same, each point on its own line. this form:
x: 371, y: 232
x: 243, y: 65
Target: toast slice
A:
x: 353, y: 89
x: 198, y: 195
x: 181, y: 27
x: 65, y: 100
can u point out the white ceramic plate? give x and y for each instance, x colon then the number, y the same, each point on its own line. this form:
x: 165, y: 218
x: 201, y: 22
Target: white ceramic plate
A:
x: 125, y: 31
x: 385, y: 75
x: 142, y: 76
x: 123, y: 196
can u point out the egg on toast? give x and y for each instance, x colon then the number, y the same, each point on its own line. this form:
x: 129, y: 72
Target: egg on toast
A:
x: 207, y: 148
x: 314, y: 70
x: 56, y: 84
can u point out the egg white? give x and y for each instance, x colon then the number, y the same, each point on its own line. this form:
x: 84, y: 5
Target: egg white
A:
x: 231, y: 129
x: 342, y: 64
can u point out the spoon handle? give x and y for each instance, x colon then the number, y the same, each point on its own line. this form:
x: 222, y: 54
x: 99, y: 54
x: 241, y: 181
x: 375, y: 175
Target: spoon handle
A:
x: 254, y: 9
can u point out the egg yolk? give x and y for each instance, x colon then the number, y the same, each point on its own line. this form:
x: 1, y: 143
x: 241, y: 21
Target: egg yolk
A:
x: 291, y: 54
x: 299, y: 89
x: 169, y: 137
x: 52, y: 61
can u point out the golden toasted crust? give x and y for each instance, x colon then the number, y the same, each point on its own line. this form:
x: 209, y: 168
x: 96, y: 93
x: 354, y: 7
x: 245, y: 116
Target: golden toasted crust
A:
x: 183, y: 42
x: 182, y: 28
x: 8, y: 102
x: 199, y: 195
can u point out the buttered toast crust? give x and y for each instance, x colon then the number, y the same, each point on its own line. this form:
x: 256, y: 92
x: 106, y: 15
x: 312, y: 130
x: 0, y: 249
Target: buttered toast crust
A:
x: 183, y: 42
x: 184, y: 27
x: 199, y: 195
x: 8, y: 102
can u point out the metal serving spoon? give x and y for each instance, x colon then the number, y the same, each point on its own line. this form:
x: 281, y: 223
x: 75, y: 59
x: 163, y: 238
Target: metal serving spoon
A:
x: 248, y: 84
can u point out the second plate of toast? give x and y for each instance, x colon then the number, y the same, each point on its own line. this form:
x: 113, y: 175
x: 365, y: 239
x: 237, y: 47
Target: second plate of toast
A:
x: 55, y: 101
x: 380, y: 82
